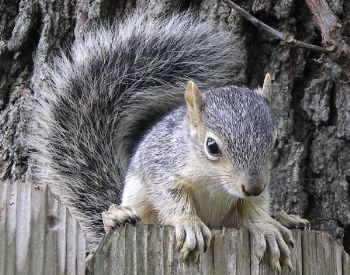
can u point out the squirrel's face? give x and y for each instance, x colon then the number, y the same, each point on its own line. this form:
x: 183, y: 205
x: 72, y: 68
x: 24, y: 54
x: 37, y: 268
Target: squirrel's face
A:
x: 234, y: 132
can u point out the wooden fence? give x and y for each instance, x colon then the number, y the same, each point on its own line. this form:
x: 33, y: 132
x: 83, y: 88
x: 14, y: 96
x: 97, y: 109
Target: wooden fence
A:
x: 38, y: 236
x: 148, y: 249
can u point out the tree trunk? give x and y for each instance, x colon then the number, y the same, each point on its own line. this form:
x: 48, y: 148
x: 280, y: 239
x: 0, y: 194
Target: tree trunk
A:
x: 311, y: 90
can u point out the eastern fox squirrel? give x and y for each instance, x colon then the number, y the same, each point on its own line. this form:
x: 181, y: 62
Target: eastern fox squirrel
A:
x: 114, y: 130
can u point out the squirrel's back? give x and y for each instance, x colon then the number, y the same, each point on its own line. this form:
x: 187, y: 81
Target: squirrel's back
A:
x: 97, y: 102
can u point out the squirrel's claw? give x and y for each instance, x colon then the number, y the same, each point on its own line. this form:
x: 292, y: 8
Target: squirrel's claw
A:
x: 292, y: 221
x: 260, y: 244
x: 287, y: 262
x: 272, y: 236
x: 117, y: 216
x: 192, y: 237
x: 274, y: 252
x: 275, y: 265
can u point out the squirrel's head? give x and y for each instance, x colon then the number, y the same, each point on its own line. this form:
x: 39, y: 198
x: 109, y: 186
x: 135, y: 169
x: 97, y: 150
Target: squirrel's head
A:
x: 233, y: 131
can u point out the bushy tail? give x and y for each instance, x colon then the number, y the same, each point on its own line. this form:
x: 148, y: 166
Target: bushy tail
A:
x: 97, y: 102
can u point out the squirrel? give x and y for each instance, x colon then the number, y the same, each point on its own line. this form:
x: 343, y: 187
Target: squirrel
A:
x: 121, y: 138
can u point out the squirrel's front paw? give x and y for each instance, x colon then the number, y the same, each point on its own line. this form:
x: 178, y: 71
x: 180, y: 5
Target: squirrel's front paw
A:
x: 118, y: 216
x: 192, y: 236
x: 273, y: 236
x: 291, y: 221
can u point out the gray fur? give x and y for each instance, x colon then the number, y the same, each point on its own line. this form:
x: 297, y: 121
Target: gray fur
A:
x: 98, y: 101
x: 244, y: 121
x: 240, y: 117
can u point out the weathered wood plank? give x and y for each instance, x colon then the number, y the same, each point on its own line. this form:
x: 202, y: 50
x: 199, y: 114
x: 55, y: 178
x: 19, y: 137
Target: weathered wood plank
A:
x: 51, y: 256
x: 141, y: 248
x: 38, y: 228
x: 345, y: 263
x: 23, y: 229
x: 243, y: 254
x: 10, y: 264
x: 326, y: 261
x: 296, y: 256
x: 37, y: 234
x: 81, y: 252
x: 71, y: 245
x: 225, y: 251
x: 309, y: 252
x: 117, y: 259
x: 336, y: 252
x: 63, y: 243
x: 154, y: 250
x: 98, y: 265
x: 168, y: 250
x: 130, y: 250
x: 3, y: 231
x: 322, y: 253
x: 207, y: 260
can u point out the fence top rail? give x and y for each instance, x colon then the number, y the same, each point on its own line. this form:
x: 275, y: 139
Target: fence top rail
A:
x: 39, y: 236
x: 149, y: 249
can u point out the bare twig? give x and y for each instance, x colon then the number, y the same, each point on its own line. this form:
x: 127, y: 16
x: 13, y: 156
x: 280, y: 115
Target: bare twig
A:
x: 288, y: 38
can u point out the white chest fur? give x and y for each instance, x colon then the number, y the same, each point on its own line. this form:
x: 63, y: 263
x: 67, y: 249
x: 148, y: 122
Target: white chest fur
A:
x: 215, y: 206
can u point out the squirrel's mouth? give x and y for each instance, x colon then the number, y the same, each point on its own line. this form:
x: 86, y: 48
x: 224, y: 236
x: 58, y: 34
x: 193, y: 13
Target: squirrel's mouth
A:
x: 241, y: 191
x: 252, y: 191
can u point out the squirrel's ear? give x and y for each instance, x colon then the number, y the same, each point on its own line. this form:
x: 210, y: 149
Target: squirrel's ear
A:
x: 266, y: 90
x: 194, y: 102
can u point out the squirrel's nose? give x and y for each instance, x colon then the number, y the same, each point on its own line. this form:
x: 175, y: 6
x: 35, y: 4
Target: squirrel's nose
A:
x: 253, y: 187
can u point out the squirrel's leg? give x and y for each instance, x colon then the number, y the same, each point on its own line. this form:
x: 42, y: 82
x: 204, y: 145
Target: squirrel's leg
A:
x: 268, y: 234
x: 291, y: 221
x: 117, y: 216
x: 129, y: 209
x: 169, y: 202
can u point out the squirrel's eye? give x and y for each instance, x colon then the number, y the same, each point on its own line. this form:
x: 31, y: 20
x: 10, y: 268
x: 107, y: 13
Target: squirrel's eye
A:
x: 213, y: 148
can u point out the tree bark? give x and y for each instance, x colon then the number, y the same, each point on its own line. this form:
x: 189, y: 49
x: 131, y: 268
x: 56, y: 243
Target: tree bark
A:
x: 311, y: 99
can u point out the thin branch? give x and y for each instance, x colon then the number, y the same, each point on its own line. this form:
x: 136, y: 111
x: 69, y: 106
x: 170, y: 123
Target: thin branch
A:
x: 288, y: 38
